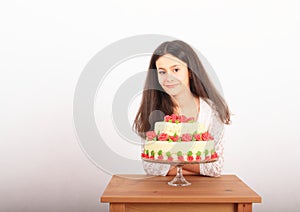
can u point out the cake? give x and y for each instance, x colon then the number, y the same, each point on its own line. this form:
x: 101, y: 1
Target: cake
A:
x: 179, y: 139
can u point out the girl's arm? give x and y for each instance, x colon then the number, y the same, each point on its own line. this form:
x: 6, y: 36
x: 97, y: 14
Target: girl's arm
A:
x: 185, y: 171
x: 156, y: 168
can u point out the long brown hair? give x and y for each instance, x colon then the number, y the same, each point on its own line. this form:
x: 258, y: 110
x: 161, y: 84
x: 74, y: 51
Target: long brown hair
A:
x: 156, y: 102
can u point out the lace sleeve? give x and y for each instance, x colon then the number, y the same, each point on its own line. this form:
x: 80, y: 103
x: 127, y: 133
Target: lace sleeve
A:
x: 156, y: 168
x: 217, y: 129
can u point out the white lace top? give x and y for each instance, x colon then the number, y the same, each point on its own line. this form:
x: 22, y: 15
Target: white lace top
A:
x: 216, y: 127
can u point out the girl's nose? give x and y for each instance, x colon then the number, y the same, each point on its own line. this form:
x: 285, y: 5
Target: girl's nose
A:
x: 169, y: 76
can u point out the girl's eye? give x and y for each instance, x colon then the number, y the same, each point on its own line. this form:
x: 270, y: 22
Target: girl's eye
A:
x: 176, y: 70
x: 161, y: 72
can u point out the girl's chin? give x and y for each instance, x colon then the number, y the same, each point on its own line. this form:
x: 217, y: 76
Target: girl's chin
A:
x: 176, y: 92
x: 172, y: 93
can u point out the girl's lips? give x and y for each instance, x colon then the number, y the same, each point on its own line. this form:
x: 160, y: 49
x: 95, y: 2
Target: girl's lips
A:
x: 171, y: 86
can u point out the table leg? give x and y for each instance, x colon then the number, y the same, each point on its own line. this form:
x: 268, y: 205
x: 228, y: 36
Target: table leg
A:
x: 117, y: 207
x: 244, y: 207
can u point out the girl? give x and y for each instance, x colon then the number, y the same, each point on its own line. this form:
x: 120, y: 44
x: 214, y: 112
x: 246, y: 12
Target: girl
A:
x: 177, y: 83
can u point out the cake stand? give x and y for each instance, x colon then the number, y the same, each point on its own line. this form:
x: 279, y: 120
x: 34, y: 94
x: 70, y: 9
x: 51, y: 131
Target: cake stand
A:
x: 179, y: 179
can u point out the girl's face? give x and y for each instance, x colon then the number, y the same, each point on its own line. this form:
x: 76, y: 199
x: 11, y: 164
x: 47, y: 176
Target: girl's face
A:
x: 173, y: 74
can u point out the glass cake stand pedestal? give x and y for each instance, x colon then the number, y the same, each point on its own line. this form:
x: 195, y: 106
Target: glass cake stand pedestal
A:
x: 179, y: 179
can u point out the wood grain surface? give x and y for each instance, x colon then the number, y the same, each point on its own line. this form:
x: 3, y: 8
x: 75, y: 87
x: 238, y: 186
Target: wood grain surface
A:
x: 154, y: 189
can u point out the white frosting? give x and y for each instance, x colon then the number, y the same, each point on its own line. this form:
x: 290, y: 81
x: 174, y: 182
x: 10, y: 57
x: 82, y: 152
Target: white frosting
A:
x: 179, y: 129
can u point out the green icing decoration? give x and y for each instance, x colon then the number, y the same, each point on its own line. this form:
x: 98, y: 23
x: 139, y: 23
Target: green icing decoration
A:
x: 179, y: 153
x: 152, y: 153
x: 206, y: 152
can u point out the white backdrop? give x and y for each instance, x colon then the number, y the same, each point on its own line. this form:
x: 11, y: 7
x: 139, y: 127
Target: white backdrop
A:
x: 253, y: 47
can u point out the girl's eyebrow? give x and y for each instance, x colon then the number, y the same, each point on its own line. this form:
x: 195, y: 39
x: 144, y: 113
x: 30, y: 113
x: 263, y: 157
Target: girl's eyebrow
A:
x: 170, y: 66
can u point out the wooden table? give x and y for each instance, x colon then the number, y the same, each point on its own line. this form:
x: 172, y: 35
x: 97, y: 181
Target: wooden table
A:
x: 132, y: 193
